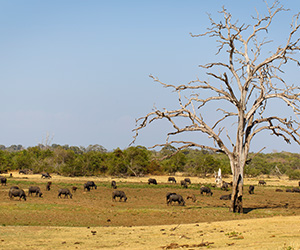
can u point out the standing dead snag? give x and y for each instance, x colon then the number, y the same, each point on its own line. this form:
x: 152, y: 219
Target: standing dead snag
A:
x: 247, y: 81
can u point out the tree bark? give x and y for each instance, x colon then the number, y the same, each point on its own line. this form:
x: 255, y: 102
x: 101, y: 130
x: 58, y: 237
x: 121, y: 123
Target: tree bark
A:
x: 237, y: 194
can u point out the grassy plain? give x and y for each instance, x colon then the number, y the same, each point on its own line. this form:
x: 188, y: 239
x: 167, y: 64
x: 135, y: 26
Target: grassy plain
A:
x: 91, y: 220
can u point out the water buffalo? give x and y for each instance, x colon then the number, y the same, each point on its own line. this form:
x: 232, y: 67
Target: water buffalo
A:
x: 168, y: 195
x: 262, y: 182
x: 251, y: 189
x: 3, y: 180
x: 152, y: 181
x: 13, y: 192
x: 225, y: 186
x: 187, y: 180
x: 183, y: 184
x: 119, y: 193
x: 86, y: 187
x: 206, y: 190
x: 64, y: 191
x: 35, y: 190
x: 288, y: 191
x: 296, y: 190
x: 176, y: 198
x: 278, y: 190
x: 113, y: 184
x: 172, y: 179
x: 46, y: 176
x: 14, y: 187
x: 192, y: 197
x: 225, y: 197
x: 90, y: 184
x: 48, y: 187
x: 74, y: 189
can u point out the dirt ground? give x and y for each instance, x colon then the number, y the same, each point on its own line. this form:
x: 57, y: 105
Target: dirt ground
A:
x: 92, y: 220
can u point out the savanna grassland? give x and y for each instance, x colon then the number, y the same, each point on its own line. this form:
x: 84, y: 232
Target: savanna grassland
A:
x: 91, y: 217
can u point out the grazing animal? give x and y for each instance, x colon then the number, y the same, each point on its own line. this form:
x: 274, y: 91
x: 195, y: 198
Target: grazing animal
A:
x: 120, y: 194
x: 35, y: 190
x: 183, y: 184
x: 278, y: 190
x: 64, y: 191
x: 172, y: 179
x: 299, y: 183
x: 14, y: 187
x: 296, y: 190
x: 288, y: 191
x: 113, y: 184
x: 46, y: 175
x: 206, y: 190
x: 90, y: 185
x: 13, y: 192
x: 251, y: 189
x: 74, y: 189
x: 262, y: 182
x: 152, y: 181
x: 225, y: 186
x: 187, y: 180
x: 225, y: 197
x: 176, y: 198
x: 86, y: 187
x: 168, y: 195
x: 192, y: 197
x: 48, y: 187
x: 3, y: 180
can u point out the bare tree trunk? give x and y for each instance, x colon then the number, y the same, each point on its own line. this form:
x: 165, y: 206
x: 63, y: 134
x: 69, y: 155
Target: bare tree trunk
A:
x: 237, y: 194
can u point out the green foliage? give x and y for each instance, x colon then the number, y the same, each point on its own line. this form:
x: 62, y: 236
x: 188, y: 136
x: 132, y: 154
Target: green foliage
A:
x: 96, y: 160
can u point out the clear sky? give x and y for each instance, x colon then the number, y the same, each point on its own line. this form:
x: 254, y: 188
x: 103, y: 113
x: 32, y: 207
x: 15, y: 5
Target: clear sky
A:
x: 78, y: 70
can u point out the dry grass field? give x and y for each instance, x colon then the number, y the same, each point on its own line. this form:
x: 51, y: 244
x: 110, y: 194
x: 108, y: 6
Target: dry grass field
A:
x: 91, y: 220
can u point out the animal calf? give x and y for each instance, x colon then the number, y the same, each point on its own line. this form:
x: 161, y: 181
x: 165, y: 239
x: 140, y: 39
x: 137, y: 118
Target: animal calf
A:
x: 113, y: 184
x: 192, y: 197
x: 172, y: 179
x: 262, y: 182
x: 3, y: 180
x: 74, y: 189
x: 48, y: 187
x: 188, y: 180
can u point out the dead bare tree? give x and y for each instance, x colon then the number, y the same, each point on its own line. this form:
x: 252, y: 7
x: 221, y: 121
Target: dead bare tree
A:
x: 249, y: 79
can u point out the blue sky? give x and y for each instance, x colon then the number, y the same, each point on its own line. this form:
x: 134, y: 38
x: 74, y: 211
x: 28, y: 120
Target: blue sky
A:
x: 79, y: 70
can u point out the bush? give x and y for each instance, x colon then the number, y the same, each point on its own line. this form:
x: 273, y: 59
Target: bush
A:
x: 294, y: 174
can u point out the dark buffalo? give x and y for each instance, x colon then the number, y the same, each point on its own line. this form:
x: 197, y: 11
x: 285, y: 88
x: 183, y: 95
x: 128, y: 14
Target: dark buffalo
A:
x: 225, y: 186
x: 3, y: 180
x: 46, y: 176
x: 113, y: 184
x: 192, y: 197
x: 262, y: 182
x: 206, y: 190
x: 296, y: 190
x: 90, y: 185
x: 183, y: 184
x: 187, y: 180
x: 288, y: 191
x: 48, y: 187
x: 225, y: 197
x: 168, y: 195
x: 251, y: 189
x: 35, y: 190
x: 74, y: 189
x: 86, y: 187
x: 120, y: 194
x: 14, y: 187
x: 172, y: 179
x: 176, y: 198
x: 64, y: 191
x: 13, y: 192
x: 152, y: 181
x: 299, y: 183
x: 278, y: 190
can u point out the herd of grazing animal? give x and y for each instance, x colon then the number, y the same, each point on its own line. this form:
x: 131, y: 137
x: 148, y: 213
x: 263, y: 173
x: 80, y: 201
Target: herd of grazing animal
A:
x: 171, y: 197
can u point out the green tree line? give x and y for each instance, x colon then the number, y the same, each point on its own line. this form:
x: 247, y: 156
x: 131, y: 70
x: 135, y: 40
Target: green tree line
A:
x: 137, y: 161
